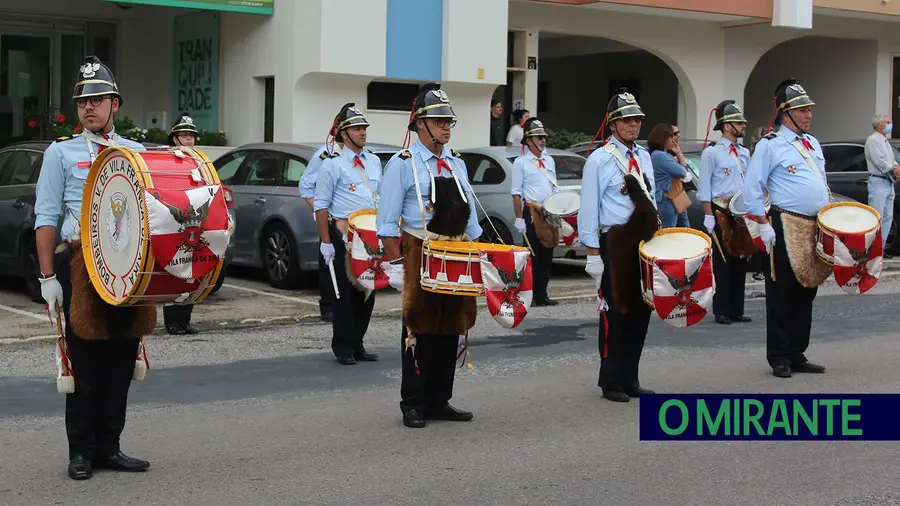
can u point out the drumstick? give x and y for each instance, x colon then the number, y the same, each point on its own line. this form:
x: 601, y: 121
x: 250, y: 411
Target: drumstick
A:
x: 528, y: 243
x: 337, y: 293
x: 718, y: 246
x: 59, y: 327
x: 772, y: 261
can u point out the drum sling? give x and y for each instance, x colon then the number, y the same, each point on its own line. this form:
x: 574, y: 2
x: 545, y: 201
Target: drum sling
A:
x: 800, y: 242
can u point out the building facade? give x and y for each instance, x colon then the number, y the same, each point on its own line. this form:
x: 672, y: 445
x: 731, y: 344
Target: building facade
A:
x: 282, y: 73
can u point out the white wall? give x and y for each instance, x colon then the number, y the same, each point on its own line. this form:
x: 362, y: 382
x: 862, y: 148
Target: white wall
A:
x: 475, y: 38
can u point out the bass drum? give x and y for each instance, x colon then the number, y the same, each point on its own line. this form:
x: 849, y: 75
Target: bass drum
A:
x: 154, y: 226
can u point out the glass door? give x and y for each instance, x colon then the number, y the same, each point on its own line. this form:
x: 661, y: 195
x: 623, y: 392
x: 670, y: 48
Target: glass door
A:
x: 25, y: 84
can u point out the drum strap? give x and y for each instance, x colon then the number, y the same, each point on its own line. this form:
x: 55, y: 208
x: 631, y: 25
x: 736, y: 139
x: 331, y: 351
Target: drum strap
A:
x: 415, y: 171
x: 812, y: 163
x: 545, y: 173
x: 91, y: 138
x: 623, y: 167
x: 733, y: 154
x: 361, y: 172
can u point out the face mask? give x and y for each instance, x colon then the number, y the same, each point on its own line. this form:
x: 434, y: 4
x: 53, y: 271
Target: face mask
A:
x: 888, y: 128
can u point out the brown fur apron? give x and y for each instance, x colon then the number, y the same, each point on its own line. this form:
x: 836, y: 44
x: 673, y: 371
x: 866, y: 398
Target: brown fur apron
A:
x: 433, y: 313
x: 547, y: 234
x: 800, y: 242
x: 622, y: 246
x: 93, y: 319
x: 736, y: 239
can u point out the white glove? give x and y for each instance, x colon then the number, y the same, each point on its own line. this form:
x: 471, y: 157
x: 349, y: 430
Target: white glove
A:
x: 52, y: 293
x: 520, y: 225
x: 767, y: 234
x: 594, y: 267
x: 395, y: 276
x: 709, y: 223
x: 688, y: 176
x: 327, y: 250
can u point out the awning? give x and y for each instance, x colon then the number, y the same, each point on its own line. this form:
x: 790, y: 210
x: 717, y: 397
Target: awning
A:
x: 246, y: 6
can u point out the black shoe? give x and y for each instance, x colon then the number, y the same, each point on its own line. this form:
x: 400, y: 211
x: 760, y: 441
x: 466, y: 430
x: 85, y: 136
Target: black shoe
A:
x: 724, y: 320
x: 759, y: 276
x: 546, y: 302
x: 741, y: 319
x: 365, y: 356
x: 808, y: 367
x: 413, y: 419
x: 781, y: 371
x: 616, y: 396
x: 638, y: 391
x: 121, y: 462
x: 175, y: 329
x: 326, y: 316
x: 190, y: 329
x: 346, y: 360
x: 449, y: 413
x: 80, y: 468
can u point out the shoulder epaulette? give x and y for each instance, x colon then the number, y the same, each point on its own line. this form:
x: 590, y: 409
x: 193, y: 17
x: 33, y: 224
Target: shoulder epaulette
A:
x: 455, y: 153
x: 63, y: 138
x: 770, y: 135
x: 326, y: 155
x: 405, y: 154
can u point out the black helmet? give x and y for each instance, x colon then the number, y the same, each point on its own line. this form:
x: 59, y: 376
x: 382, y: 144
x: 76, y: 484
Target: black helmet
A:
x: 184, y: 124
x: 728, y: 112
x: 431, y: 103
x: 533, y: 128
x: 350, y: 116
x: 622, y: 105
x: 94, y: 80
x: 789, y: 95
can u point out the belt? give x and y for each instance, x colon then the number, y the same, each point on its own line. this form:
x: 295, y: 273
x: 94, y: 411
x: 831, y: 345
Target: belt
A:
x: 881, y: 177
x: 782, y: 211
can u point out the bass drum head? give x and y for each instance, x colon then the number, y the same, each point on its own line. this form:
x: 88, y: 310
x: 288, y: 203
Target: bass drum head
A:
x: 675, y: 244
x: 563, y: 203
x: 849, y: 218
x: 114, y: 225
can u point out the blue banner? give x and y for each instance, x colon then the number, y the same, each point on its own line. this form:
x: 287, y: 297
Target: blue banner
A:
x: 772, y: 417
x: 196, y: 69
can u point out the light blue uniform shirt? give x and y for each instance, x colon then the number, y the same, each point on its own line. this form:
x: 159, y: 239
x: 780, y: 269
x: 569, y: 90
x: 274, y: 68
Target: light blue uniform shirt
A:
x: 603, y: 204
x: 340, y: 188
x: 60, y: 185
x: 398, y: 195
x: 529, y: 181
x: 720, y: 175
x: 793, y: 185
x: 308, y: 180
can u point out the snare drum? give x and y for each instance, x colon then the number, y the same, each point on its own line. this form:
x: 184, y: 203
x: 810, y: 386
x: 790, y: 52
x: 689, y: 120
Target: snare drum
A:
x: 365, y: 251
x: 562, y: 204
x: 154, y: 226
x: 840, y: 220
x: 676, y: 275
x: 454, y: 267
x: 738, y: 210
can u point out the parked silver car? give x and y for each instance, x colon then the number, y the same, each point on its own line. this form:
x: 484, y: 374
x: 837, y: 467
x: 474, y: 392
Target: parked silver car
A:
x: 274, y: 228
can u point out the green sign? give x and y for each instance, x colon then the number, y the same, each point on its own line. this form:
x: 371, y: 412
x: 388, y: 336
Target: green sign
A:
x: 248, y: 6
x: 196, y: 68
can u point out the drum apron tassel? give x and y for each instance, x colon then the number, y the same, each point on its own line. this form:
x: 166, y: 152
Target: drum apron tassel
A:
x: 464, y: 350
x: 410, y: 347
x: 141, y: 363
x: 65, y: 379
x: 602, y: 307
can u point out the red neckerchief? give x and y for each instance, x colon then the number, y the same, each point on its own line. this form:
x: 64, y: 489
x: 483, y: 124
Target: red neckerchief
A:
x: 442, y: 164
x: 358, y: 163
x: 733, y: 150
x: 633, y: 163
x: 807, y: 144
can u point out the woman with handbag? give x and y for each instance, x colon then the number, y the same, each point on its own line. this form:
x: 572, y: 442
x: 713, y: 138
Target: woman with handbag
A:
x: 670, y: 171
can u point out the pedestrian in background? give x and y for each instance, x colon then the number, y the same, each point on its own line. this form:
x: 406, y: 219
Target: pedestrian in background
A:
x: 883, y: 172
x: 670, y: 171
x: 517, y: 132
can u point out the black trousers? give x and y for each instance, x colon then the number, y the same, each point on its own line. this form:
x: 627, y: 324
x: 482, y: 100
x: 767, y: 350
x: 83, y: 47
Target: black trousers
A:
x: 326, y: 290
x: 542, y: 262
x: 622, y: 343
x: 731, y: 276
x: 95, y: 412
x: 788, y: 305
x: 178, y: 313
x: 352, y: 311
x: 431, y: 387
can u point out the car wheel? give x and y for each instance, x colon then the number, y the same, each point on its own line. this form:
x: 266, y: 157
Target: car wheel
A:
x: 280, y: 259
x: 501, y: 236
x: 32, y: 271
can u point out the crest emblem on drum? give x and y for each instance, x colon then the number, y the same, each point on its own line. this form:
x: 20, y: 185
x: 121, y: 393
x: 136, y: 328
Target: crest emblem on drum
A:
x: 117, y: 225
x: 89, y: 70
x: 508, y: 285
x: 191, y: 221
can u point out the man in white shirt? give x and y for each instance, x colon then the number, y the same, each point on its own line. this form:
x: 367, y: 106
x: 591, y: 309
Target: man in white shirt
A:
x: 883, y: 171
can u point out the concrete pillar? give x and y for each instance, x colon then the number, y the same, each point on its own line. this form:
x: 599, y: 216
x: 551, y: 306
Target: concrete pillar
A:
x: 525, y: 79
x: 884, y: 69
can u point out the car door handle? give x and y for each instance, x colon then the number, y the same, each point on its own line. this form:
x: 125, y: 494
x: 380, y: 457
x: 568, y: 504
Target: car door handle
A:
x: 260, y: 200
x: 19, y: 204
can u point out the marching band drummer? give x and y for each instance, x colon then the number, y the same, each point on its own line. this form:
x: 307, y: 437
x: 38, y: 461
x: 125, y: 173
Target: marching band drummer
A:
x: 347, y: 182
x: 177, y: 317
x: 624, y: 208
x: 427, y: 186
x: 534, y: 179
x: 308, y: 193
x: 798, y: 190
x: 722, y: 168
x: 103, y: 368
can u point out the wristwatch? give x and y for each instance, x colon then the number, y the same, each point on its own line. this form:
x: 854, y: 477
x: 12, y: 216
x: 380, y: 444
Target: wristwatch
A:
x: 46, y: 276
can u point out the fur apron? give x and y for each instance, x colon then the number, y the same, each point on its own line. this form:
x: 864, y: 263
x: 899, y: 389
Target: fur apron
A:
x: 92, y: 319
x: 800, y: 242
x: 434, y: 313
x: 547, y: 234
x: 622, y: 246
x: 736, y: 239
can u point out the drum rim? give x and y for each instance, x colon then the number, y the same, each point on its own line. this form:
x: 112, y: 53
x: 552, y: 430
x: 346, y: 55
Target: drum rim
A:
x: 563, y: 193
x: 351, y: 227
x: 465, y: 248
x: 674, y: 230
x: 835, y: 205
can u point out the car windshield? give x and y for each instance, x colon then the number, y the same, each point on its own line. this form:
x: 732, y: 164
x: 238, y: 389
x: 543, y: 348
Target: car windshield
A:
x: 567, y: 167
x: 693, y: 161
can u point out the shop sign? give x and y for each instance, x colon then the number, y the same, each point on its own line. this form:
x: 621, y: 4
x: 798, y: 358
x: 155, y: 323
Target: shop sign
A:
x: 196, y: 68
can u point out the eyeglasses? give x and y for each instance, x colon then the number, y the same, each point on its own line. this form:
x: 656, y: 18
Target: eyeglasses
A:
x: 676, y: 133
x: 444, y: 122
x: 95, y: 101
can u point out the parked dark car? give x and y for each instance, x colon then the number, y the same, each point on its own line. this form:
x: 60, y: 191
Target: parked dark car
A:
x: 20, y: 165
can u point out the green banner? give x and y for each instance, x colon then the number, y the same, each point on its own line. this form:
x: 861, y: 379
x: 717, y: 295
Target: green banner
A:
x: 248, y: 6
x: 196, y: 68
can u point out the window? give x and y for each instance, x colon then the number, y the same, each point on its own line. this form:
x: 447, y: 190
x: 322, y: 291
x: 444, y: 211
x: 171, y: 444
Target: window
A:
x: 382, y: 96
x: 228, y: 165
x: 483, y: 170
x: 269, y: 120
x: 4, y: 166
x: 19, y: 168
x: 844, y: 158
x: 264, y: 169
x: 293, y: 171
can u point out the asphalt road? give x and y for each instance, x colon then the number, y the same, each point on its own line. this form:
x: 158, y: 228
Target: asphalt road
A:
x: 266, y: 416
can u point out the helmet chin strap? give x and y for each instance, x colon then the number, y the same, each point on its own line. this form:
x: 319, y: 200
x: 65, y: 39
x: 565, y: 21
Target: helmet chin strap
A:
x: 105, y: 124
x: 351, y: 140
x: 799, y: 130
x: 435, y: 141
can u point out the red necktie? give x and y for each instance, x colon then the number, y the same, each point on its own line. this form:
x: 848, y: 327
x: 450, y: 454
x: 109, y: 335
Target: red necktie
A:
x: 540, y: 163
x: 442, y: 164
x: 358, y: 163
x: 102, y: 146
x: 733, y: 150
x: 633, y: 163
x: 807, y: 144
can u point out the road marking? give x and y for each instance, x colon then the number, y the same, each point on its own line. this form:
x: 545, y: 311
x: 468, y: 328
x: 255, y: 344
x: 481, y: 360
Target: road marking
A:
x: 36, y: 316
x: 270, y: 294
